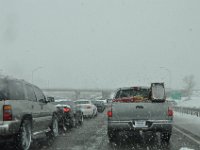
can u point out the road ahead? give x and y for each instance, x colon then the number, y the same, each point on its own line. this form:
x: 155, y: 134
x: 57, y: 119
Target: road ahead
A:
x: 92, y: 136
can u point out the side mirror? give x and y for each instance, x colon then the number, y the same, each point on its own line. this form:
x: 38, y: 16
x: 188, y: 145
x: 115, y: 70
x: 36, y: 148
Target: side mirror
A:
x: 42, y: 101
x: 50, y: 99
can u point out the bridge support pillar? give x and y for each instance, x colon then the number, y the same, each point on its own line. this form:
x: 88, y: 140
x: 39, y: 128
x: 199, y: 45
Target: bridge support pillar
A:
x: 77, y: 94
x: 105, y: 94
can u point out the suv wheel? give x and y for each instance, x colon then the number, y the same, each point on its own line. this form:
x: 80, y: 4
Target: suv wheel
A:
x: 24, y: 136
x: 54, y: 129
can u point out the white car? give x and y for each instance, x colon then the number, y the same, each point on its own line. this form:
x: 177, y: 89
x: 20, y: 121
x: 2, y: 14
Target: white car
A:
x: 88, y: 109
x: 103, y: 100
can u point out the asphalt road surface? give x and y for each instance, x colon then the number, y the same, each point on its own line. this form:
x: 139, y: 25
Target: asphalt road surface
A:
x: 92, y: 135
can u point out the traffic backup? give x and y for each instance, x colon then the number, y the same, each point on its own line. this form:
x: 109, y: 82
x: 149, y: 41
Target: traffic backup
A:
x: 140, y: 109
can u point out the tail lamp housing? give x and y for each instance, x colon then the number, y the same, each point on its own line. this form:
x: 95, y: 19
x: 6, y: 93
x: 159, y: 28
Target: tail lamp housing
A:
x: 7, y: 113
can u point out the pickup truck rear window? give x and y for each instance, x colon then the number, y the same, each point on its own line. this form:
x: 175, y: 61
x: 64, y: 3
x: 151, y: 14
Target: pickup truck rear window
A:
x: 133, y: 93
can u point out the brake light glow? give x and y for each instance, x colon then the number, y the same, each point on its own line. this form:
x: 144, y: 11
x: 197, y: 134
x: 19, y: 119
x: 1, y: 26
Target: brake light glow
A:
x: 7, y: 113
x: 109, y: 113
x: 65, y: 109
x: 170, y: 112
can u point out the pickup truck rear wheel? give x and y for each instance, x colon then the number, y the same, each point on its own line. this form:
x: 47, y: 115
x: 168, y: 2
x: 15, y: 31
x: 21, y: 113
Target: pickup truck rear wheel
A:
x: 24, y: 137
x: 165, y: 137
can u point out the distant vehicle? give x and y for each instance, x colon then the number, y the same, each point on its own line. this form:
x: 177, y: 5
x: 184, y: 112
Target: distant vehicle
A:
x: 25, y: 113
x: 68, y: 113
x: 173, y: 102
x: 140, y: 109
x: 89, y: 109
x: 103, y: 100
x: 99, y: 104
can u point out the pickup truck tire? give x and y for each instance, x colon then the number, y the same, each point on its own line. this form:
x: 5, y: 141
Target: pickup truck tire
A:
x: 112, y: 135
x: 24, y: 137
x: 165, y: 137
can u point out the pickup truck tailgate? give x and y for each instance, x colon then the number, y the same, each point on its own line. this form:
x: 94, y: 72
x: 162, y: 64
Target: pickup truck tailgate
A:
x: 139, y: 111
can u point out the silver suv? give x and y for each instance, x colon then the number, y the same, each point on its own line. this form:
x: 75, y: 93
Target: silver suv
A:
x: 25, y: 113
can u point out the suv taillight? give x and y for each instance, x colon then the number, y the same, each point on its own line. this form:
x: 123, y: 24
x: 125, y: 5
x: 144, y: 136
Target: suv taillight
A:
x: 7, y: 113
x: 170, y: 112
x: 109, y: 113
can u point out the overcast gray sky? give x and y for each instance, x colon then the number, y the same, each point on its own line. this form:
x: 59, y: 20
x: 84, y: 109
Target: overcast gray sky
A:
x: 100, y: 43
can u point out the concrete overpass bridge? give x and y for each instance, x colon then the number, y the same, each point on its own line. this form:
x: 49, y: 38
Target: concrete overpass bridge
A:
x: 77, y: 92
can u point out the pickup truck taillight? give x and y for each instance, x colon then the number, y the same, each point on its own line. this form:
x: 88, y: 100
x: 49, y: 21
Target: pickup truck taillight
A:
x: 65, y: 109
x: 109, y: 113
x: 7, y: 113
x: 170, y: 112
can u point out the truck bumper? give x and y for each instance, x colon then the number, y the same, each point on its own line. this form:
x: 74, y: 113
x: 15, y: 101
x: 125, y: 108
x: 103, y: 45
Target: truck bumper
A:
x: 151, y: 125
x: 9, y: 128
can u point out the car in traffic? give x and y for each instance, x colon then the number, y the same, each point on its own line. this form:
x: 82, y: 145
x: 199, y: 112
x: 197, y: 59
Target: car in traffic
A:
x: 88, y: 109
x: 68, y: 113
x: 25, y: 113
x: 100, y: 105
x: 140, y: 109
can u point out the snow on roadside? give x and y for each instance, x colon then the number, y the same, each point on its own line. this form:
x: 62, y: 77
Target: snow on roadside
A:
x: 193, y: 103
x: 185, y: 148
x: 188, y: 118
x: 188, y: 122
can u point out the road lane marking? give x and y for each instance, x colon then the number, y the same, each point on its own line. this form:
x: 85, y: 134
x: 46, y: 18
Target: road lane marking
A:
x: 187, y: 135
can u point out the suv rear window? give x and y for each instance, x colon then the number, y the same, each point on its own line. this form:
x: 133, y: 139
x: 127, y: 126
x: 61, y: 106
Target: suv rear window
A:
x: 16, y: 90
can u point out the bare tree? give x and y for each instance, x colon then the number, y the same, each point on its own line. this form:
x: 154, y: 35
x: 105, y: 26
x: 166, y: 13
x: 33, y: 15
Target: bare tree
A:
x: 189, y: 85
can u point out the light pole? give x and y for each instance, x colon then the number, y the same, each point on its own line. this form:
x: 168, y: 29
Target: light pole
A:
x: 170, y: 75
x: 34, y: 70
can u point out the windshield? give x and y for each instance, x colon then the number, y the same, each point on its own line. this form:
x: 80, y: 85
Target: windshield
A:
x: 134, y: 93
x: 100, y: 57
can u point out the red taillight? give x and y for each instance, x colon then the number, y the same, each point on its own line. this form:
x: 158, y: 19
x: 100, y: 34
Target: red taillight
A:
x: 7, y: 113
x: 66, y: 109
x: 170, y: 112
x: 109, y: 113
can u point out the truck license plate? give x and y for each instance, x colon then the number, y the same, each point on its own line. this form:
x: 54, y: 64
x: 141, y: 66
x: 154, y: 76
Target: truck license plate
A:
x: 140, y: 123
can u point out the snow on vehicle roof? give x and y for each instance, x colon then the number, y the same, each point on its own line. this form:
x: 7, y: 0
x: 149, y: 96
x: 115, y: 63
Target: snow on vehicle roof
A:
x: 60, y: 100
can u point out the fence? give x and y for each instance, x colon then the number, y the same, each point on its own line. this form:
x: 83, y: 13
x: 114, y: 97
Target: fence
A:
x: 187, y: 110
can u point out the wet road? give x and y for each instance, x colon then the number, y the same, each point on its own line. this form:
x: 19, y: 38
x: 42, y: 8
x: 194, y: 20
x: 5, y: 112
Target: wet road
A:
x: 92, y: 136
